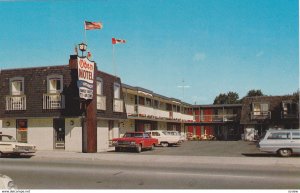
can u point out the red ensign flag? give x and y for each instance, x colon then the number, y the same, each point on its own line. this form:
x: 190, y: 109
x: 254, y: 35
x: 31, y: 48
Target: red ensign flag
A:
x: 117, y: 41
x: 92, y: 25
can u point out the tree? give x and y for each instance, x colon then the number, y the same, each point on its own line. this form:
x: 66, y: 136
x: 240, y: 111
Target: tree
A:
x: 229, y: 98
x: 253, y: 92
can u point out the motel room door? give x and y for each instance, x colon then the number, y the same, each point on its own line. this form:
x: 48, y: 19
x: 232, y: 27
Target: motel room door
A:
x: 59, y: 133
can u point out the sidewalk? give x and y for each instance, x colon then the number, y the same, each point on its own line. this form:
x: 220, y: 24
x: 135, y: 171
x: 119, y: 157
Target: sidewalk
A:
x: 165, y: 159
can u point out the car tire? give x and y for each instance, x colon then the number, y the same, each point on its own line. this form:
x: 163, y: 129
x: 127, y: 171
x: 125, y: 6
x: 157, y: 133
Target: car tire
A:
x: 153, y: 147
x: 1, y: 154
x: 139, y: 148
x: 285, y: 152
x: 117, y: 149
x: 164, y: 144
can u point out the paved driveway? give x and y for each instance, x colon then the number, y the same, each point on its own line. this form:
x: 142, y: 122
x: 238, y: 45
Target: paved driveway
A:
x: 209, y: 148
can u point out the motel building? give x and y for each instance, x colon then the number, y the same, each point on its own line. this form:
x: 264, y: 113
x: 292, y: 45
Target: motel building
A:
x: 147, y: 110
x: 43, y: 106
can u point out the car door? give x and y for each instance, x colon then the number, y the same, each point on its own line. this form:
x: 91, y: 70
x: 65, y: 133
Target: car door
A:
x: 295, y: 142
x: 147, y: 141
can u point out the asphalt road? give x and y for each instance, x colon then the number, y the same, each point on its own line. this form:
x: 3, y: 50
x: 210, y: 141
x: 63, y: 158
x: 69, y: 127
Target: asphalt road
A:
x: 208, y: 148
x: 136, y: 171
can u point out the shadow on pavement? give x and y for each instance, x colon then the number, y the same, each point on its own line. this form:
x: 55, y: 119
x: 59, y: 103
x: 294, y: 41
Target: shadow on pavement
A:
x: 263, y: 155
x: 17, y: 156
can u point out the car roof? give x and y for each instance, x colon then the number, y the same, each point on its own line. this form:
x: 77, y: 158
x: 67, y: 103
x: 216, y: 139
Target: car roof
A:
x: 284, y: 130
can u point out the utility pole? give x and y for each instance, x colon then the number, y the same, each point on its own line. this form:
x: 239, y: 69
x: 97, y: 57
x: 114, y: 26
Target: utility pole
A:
x: 183, y: 86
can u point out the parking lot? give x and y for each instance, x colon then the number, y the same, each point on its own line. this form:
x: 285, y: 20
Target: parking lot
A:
x: 208, y: 148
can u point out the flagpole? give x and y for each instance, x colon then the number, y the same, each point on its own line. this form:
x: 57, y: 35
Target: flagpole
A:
x: 113, y: 59
x: 85, y: 40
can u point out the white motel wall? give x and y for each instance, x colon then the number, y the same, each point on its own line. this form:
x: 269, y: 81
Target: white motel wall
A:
x: 40, y: 132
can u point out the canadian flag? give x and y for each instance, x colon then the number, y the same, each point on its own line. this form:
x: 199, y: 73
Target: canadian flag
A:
x: 117, y: 41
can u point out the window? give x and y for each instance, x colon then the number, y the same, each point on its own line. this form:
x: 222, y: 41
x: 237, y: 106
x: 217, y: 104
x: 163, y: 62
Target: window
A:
x: 281, y: 135
x: 17, y: 86
x: 99, y: 86
x: 296, y: 135
x: 117, y: 90
x: 148, y: 102
x: 55, y: 83
x: 260, y: 108
x: 155, y: 134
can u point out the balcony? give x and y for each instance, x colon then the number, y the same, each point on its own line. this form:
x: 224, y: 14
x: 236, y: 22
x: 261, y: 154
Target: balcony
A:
x: 153, y: 113
x: 53, y: 101
x: 289, y: 115
x: 260, y: 115
x: 216, y: 118
x: 15, y: 103
x: 101, y: 102
x: 118, y: 105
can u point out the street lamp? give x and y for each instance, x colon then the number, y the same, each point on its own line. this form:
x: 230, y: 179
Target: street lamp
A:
x: 82, y: 48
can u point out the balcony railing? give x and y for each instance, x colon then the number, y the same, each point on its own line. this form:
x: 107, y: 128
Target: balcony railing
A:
x: 259, y: 115
x: 153, y: 113
x: 289, y: 115
x: 216, y: 118
x: 101, y: 102
x: 118, y: 105
x: 15, y: 103
x: 53, y: 101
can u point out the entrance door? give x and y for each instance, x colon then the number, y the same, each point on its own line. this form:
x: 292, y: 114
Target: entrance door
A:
x: 59, y: 133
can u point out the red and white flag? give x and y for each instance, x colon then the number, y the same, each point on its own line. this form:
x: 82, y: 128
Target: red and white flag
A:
x: 117, y: 41
x: 92, y: 25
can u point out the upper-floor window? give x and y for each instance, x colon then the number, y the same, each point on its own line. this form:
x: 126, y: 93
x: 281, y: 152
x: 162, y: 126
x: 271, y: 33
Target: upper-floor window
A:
x: 55, y: 83
x: 260, y: 107
x: 117, y: 91
x: 289, y: 107
x: 99, y: 86
x: 17, y: 86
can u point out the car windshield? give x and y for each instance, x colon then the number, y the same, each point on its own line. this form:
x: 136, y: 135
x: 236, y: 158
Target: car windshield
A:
x: 7, y: 138
x: 137, y: 135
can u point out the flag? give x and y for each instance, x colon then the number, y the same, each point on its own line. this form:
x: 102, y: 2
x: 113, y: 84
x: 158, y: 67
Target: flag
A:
x: 117, y: 41
x: 92, y: 25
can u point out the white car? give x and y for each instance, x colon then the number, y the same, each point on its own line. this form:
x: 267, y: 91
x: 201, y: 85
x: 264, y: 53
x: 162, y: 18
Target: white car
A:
x: 164, y: 139
x: 283, y: 142
x: 9, y: 145
x: 6, y: 183
x: 176, y: 133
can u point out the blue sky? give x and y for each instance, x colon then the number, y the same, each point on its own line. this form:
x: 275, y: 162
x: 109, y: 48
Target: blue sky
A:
x: 216, y: 46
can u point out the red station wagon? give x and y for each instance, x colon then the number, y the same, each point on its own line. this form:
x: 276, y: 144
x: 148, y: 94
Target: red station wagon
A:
x: 135, y: 140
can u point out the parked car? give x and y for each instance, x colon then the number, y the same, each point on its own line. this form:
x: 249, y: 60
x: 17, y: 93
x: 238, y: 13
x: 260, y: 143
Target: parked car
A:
x: 283, y: 142
x: 164, y: 139
x: 6, y: 182
x: 9, y: 145
x: 135, y: 140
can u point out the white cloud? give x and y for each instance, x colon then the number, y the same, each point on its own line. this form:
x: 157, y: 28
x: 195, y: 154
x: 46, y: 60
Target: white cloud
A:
x: 200, y: 56
x: 259, y: 54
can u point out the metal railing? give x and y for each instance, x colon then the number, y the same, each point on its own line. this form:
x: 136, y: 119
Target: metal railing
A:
x: 289, y: 115
x: 216, y: 118
x: 53, y: 101
x: 150, y: 112
x: 101, y: 102
x: 15, y: 103
x: 260, y: 115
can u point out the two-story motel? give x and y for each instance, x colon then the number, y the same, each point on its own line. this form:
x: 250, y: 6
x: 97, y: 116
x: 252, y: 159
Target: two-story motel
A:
x: 41, y: 105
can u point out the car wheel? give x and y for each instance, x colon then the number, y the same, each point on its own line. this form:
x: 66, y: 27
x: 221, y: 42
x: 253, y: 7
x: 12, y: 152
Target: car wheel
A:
x: 285, y: 152
x: 117, y: 149
x: 153, y: 147
x: 1, y: 154
x: 164, y: 144
x: 139, y: 148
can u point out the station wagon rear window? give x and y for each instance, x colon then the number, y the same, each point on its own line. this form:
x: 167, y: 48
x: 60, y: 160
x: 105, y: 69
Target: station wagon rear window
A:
x: 296, y: 135
x: 280, y: 135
